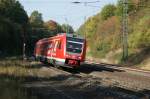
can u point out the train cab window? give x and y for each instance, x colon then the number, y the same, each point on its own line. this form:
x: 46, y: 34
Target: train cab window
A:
x: 74, y: 45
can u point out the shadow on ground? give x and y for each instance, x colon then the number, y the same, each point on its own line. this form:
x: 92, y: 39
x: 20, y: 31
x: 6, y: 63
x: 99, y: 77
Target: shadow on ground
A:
x: 89, y: 68
x: 62, y: 87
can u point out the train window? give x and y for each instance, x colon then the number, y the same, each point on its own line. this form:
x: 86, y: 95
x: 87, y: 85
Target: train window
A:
x: 56, y: 43
x: 59, y: 45
x: 50, y: 45
x: 74, y: 47
x: 75, y: 39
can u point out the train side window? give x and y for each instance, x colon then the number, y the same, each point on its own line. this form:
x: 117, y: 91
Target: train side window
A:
x: 50, y: 45
x: 56, y: 43
x: 59, y: 44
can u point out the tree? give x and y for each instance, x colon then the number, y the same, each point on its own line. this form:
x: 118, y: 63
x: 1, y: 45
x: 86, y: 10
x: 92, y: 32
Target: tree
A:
x: 119, y: 9
x: 108, y: 11
x: 67, y: 28
x: 36, y: 19
x: 13, y: 24
x: 14, y: 11
x: 53, y: 27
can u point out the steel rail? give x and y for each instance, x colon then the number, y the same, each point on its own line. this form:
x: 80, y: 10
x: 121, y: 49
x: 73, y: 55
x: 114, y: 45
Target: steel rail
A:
x: 120, y: 67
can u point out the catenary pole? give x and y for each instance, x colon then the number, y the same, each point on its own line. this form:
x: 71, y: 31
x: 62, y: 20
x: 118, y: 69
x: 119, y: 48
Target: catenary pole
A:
x: 125, y: 30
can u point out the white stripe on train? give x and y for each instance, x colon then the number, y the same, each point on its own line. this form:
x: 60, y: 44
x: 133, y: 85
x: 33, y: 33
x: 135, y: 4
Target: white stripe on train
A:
x: 57, y: 59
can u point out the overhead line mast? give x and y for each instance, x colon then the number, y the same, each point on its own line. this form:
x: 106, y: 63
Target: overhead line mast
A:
x: 125, y: 30
x: 124, y: 27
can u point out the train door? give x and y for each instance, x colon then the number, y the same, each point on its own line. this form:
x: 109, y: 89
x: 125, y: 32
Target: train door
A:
x: 45, y: 48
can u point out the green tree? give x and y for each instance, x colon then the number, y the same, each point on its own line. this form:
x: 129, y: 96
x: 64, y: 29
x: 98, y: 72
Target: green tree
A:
x: 36, y: 19
x: 67, y: 28
x: 13, y: 10
x: 119, y: 9
x: 13, y: 24
x: 108, y: 11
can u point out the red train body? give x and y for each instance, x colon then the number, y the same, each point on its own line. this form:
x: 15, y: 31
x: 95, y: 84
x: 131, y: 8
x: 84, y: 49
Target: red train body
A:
x: 61, y: 50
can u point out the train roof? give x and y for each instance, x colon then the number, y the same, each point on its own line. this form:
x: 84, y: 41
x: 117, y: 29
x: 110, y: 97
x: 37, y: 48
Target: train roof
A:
x: 59, y: 35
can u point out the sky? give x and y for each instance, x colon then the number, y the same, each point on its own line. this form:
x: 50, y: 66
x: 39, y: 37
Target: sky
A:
x: 64, y: 11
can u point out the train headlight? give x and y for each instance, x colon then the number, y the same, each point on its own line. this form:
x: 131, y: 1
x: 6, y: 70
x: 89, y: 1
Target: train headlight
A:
x: 79, y: 57
x: 67, y: 55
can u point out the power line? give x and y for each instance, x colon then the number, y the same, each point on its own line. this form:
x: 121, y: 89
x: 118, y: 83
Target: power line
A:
x: 79, y: 2
x: 43, y: 2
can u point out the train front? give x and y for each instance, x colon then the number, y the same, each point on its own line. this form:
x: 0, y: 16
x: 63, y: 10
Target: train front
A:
x: 75, y: 51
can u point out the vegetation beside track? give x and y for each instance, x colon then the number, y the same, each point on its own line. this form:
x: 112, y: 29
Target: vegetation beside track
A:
x: 17, y: 28
x: 104, y: 29
x: 14, y: 67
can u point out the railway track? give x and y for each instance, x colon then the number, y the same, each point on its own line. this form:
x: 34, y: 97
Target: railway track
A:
x: 94, y: 78
x: 121, y: 68
x: 123, y: 77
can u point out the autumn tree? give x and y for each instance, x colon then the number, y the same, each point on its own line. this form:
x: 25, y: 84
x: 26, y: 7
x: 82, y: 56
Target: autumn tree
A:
x: 119, y: 9
x: 53, y: 27
x: 108, y: 11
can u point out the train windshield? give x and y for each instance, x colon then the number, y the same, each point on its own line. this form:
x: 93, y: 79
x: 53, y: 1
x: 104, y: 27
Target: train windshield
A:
x: 74, y: 45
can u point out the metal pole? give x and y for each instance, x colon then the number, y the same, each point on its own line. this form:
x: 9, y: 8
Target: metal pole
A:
x: 66, y: 25
x: 85, y: 28
x: 24, y: 55
x: 24, y: 45
x: 125, y: 30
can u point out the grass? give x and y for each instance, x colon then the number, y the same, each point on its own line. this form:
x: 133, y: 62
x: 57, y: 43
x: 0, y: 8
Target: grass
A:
x: 18, y: 68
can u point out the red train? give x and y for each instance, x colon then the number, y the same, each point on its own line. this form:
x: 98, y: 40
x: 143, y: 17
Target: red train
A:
x: 61, y: 50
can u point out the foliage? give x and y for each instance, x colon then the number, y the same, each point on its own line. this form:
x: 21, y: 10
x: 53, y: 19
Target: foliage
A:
x: 53, y: 26
x: 108, y: 11
x: 67, y: 28
x: 104, y: 30
x: 14, y: 11
x: 89, y: 28
x: 140, y: 37
x: 13, y: 25
x: 119, y: 9
x: 36, y: 19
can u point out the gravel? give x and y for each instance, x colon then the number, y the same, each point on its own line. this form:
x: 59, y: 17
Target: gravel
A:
x: 95, y: 84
